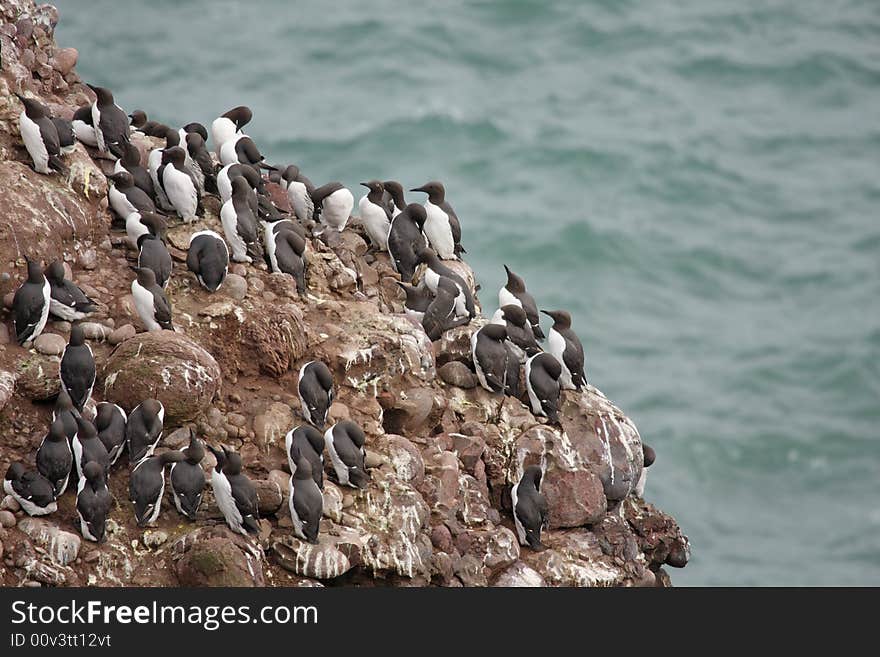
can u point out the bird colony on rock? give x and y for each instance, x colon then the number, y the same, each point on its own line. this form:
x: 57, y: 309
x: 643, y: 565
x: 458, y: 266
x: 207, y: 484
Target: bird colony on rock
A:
x: 79, y: 451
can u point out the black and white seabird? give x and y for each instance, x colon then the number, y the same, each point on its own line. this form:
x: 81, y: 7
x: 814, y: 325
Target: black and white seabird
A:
x: 405, y: 240
x: 66, y: 137
x: 137, y: 224
x: 375, y: 215
x: 441, y: 227
x: 240, y: 222
x: 66, y: 300
x: 40, y: 137
x: 154, y: 255
x: 125, y: 197
x: 519, y: 331
x: 208, y: 259
x: 345, y: 442
x: 147, y: 485
x: 77, y: 368
x: 93, y: 502
x: 31, y: 490
x: 178, y: 184
x: 542, y: 381
x: 226, y: 126
x: 333, y: 205
x: 299, y: 193
x: 495, y: 363
x: 198, y: 152
x: 150, y: 301
x: 155, y: 167
x: 131, y: 162
x: 188, y: 478
x: 418, y: 298
x: 514, y: 292
x: 306, y: 442
x: 441, y: 314
x: 110, y: 422
x: 143, y: 431
x: 141, y: 123
x: 86, y: 446
x: 31, y: 303
x: 110, y: 122
x: 315, y: 388
x: 54, y: 458
x: 65, y: 411
x: 306, y: 502
x: 530, y: 513
x: 465, y: 306
x: 242, y: 149
x: 648, y: 458
x: 566, y: 346
x: 394, y: 197
x: 285, y: 249
x: 231, y: 171
x: 235, y: 493
x: 82, y: 126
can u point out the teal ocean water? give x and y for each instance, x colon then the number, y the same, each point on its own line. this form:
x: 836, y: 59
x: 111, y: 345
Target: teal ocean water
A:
x: 697, y: 182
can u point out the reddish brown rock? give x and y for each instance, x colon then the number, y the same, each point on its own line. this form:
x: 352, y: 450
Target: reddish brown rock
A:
x: 166, y: 366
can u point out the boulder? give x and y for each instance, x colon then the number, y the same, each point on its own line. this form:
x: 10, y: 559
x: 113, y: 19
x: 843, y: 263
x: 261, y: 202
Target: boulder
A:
x: 166, y: 366
x: 62, y: 546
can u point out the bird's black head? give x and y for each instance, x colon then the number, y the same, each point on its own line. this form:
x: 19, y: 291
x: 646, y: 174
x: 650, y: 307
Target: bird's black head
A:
x: 427, y: 255
x: 174, y: 155
x: 240, y: 116
x: 56, y: 431
x: 122, y: 179
x: 85, y: 429
x: 649, y: 455
x: 396, y: 190
x: 514, y: 283
x: 494, y: 332
x: 77, y: 336
x: 233, y: 463
x: 196, y: 450
x: 435, y: 191
x: 514, y: 314
x: 105, y: 96
x: 291, y: 173
x: 561, y: 319
x: 32, y: 107
x: 138, y: 118
x: 417, y: 213
x: 55, y: 272
x: 94, y: 473
x: 194, y: 142
x: 15, y: 472
x: 131, y: 156
x: 146, y: 277
x: 533, y: 474
x: 35, y: 270
x: 195, y: 128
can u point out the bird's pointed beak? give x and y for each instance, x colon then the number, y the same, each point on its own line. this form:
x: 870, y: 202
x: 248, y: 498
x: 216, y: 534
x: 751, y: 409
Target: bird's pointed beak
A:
x: 418, y: 189
x: 367, y: 185
x: 547, y: 312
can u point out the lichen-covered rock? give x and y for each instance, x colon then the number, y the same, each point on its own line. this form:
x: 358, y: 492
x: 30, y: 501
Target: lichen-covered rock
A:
x: 519, y: 574
x: 321, y: 561
x: 37, y: 377
x: 166, y: 366
x: 216, y: 557
x: 62, y: 546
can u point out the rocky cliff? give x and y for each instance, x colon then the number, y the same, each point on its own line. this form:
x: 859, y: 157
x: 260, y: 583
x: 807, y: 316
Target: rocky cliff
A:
x: 442, y: 451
